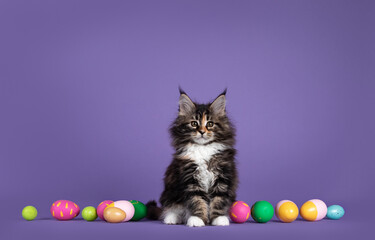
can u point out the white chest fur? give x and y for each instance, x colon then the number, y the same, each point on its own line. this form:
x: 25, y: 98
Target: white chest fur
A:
x: 201, y: 155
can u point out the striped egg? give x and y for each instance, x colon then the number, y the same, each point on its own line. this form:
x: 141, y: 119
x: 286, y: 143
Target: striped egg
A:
x: 286, y: 211
x: 64, y: 210
x: 313, y: 210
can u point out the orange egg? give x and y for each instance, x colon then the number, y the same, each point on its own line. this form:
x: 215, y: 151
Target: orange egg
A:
x: 114, y: 215
x: 286, y: 211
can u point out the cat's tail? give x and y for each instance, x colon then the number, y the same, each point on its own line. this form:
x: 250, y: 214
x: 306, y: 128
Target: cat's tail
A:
x: 153, y: 211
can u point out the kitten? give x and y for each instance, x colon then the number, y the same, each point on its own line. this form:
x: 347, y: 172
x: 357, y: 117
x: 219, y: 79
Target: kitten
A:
x: 201, y: 181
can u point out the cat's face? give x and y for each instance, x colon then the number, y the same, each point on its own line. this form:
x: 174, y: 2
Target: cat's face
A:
x: 201, y: 123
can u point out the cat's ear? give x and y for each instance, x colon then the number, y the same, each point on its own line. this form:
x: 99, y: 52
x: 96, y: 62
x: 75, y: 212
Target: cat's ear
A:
x: 186, y: 106
x: 218, y: 105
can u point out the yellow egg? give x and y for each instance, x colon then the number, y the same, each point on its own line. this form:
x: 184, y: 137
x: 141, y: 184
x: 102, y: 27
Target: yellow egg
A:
x: 286, y: 211
x: 313, y: 210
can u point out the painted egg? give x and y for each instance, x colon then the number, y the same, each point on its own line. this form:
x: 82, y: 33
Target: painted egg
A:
x: 313, y: 210
x: 64, y: 210
x: 239, y: 212
x: 101, y: 207
x: 140, y: 210
x: 286, y: 211
x: 114, y: 215
x: 335, y: 212
x: 125, y: 206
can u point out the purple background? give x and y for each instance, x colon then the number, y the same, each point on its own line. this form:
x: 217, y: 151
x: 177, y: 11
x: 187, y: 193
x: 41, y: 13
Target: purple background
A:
x: 89, y: 88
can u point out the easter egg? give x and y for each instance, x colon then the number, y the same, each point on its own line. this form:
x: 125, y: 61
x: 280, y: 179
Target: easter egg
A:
x: 335, y: 212
x: 239, y: 212
x: 114, y: 215
x: 64, y: 210
x: 29, y: 213
x: 140, y: 210
x: 286, y: 211
x: 125, y: 206
x: 313, y: 210
x: 89, y: 213
x: 262, y: 211
x: 101, y: 207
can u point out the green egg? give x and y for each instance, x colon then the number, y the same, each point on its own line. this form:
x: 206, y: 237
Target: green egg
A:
x: 29, y: 213
x: 262, y: 211
x: 140, y: 210
x: 89, y: 213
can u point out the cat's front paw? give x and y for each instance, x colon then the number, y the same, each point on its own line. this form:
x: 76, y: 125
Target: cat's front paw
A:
x: 194, y: 221
x: 221, y: 221
x: 171, y: 219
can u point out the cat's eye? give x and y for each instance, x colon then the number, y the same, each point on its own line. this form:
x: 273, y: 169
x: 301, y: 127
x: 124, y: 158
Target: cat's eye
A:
x: 194, y: 124
x: 210, y: 124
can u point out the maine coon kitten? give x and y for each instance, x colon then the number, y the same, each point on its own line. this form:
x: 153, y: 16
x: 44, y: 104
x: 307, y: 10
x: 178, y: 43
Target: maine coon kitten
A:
x: 201, y: 181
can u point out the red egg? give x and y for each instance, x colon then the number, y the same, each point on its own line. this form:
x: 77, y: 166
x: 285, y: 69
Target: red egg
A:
x: 64, y: 210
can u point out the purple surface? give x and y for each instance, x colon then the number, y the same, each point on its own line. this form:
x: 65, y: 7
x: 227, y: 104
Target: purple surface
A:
x: 88, y: 89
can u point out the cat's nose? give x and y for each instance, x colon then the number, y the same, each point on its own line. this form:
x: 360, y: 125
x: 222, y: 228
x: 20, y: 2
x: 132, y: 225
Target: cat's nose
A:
x: 201, y: 132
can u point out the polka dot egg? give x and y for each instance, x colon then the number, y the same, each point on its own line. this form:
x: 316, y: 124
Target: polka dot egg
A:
x: 335, y: 212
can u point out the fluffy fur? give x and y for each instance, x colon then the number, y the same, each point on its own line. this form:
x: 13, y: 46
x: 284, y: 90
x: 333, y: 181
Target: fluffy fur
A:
x: 201, y: 181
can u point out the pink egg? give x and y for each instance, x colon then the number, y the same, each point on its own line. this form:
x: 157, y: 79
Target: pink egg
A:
x: 239, y: 212
x: 125, y: 206
x: 101, y: 207
x: 64, y: 210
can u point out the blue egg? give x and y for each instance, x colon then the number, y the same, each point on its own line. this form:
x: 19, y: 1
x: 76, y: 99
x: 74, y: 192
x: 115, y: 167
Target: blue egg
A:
x: 335, y: 212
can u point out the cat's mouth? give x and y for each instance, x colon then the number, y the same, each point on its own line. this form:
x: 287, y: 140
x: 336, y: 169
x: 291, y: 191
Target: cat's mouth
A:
x: 202, y: 139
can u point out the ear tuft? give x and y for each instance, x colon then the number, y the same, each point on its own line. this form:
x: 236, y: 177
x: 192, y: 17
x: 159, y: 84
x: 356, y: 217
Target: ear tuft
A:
x: 181, y: 91
x: 224, y: 92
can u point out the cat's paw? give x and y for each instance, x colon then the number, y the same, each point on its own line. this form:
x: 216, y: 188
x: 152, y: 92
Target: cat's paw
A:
x: 171, y: 219
x: 221, y: 221
x: 194, y: 221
